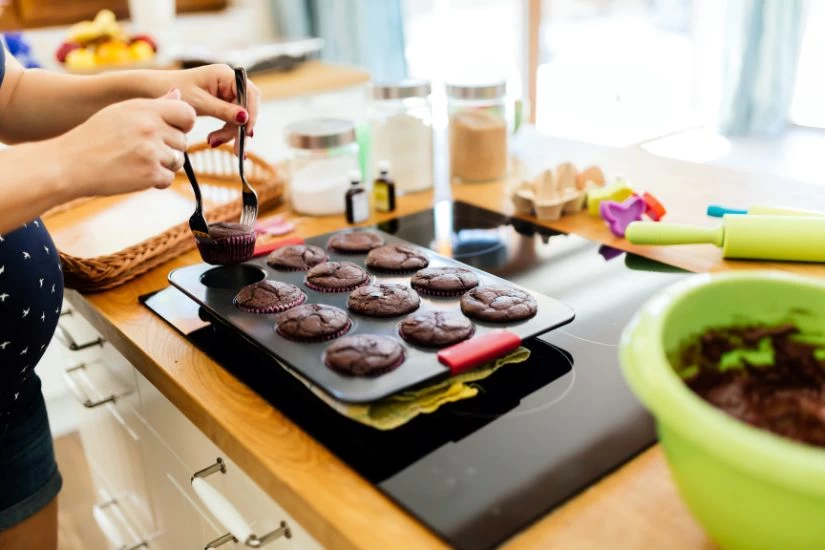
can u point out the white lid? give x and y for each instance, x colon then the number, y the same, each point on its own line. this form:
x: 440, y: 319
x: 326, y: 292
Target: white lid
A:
x: 355, y: 176
x: 384, y: 166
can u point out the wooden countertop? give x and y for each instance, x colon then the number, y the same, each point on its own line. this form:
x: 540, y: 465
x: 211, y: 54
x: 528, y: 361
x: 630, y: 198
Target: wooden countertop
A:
x: 312, y: 77
x: 635, y: 507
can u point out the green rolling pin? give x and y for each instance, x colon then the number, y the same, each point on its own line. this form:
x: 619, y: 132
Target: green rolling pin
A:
x: 753, y: 237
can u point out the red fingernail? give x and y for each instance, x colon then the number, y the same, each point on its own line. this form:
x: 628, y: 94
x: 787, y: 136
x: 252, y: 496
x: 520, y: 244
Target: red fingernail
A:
x: 214, y: 143
x: 241, y: 117
x: 251, y: 133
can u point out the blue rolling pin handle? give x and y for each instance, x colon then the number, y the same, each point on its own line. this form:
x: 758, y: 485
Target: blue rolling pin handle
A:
x: 716, y: 211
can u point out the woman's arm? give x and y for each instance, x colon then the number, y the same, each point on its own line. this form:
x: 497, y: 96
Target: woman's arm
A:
x: 128, y: 146
x: 37, y: 104
x: 29, y: 185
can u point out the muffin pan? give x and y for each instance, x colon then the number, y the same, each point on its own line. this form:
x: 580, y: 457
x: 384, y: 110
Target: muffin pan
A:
x: 215, y: 287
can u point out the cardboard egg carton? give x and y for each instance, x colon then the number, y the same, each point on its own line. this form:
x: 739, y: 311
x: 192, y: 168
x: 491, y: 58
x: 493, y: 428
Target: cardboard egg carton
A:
x: 555, y: 193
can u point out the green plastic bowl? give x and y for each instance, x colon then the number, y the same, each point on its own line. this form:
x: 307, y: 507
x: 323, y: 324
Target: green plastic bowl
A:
x: 749, y: 488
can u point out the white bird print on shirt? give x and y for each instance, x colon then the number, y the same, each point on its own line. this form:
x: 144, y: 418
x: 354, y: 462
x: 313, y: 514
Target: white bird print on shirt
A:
x: 25, y: 350
x: 57, y: 310
x: 3, y: 345
x: 2, y: 239
x: 26, y: 312
x: 41, y: 282
x: 37, y: 223
x: 26, y: 255
x: 3, y: 297
x: 46, y: 248
x: 43, y: 316
x: 52, y: 289
x: 2, y: 269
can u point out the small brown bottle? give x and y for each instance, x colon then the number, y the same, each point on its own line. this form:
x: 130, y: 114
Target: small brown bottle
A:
x: 358, y: 204
x: 383, y: 189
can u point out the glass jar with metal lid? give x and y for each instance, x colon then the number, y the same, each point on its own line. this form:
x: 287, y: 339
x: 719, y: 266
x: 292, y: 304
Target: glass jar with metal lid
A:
x: 401, y: 132
x: 478, y: 131
x: 323, y: 153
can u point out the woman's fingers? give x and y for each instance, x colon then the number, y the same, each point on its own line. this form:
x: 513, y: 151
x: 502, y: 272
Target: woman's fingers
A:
x: 253, y: 104
x: 165, y: 177
x: 176, y: 113
x: 223, y: 135
x: 223, y: 110
x: 175, y: 139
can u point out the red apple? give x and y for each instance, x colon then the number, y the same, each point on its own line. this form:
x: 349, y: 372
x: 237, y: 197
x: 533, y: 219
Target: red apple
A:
x: 64, y: 50
x: 146, y: 38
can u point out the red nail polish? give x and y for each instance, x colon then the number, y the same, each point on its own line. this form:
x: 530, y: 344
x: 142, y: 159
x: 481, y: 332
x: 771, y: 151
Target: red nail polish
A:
x: 214, y: 143
x: 252, y: 133
x: 241, y: 117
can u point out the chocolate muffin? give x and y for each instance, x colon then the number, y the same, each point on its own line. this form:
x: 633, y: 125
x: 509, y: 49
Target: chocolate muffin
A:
x: 396, y: 257
x: 364, y: 355
x: 228, y: 243
x: 444, y: 281
x: 355, y: 242
x: 335, y: 277
x: 383, y: 300
x: 498, y: 304
x: 436, y: 328
x: 313, y: 323
x: 297, y: 257
x: 269, y: 297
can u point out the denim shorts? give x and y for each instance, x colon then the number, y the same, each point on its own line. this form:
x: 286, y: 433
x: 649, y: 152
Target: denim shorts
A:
x: 29, y: 479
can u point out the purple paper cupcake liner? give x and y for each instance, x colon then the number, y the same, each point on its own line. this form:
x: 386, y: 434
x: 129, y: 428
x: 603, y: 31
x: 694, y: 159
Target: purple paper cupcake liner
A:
x: 278, y: 308
x: 334, y: 290
x: 324, y: 338
x: 228, y: 250
x: 440, y: 293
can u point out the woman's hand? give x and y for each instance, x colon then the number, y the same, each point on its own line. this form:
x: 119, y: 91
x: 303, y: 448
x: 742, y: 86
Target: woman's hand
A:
x: 128, y: 146
x: 211, y: 91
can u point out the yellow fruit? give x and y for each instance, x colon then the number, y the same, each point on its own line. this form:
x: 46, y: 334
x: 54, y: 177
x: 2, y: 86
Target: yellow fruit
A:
x: 113, y: 53
x: 105, y: 17
x: 141, y: 50
x: 84, y: 32
x: 81, y: 59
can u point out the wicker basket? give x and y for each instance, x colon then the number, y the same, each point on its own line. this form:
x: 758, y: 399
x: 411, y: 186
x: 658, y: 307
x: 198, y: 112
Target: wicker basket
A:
x: 213, y: 165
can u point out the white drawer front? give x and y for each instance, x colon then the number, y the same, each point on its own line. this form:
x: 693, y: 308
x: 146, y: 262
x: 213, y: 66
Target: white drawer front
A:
x: 111, y: 440
x: 196, y: 451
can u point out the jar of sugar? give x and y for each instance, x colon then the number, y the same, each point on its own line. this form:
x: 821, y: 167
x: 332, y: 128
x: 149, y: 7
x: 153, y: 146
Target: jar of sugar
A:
x: 401, y: 132
x: 478, y: 131
x: 323, y: 154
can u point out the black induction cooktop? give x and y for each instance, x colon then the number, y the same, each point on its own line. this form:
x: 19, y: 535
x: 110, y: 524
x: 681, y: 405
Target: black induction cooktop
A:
x: 478, y: 471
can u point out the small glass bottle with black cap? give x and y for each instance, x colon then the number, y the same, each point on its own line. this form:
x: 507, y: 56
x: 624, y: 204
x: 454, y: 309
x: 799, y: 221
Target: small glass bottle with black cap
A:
x: 358, y: 204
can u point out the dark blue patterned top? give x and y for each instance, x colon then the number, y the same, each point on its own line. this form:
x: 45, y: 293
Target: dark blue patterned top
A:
x: 31, y: 294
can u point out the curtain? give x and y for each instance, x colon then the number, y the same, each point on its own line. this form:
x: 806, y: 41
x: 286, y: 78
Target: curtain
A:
x: 367, y: 33
x: 761, y: 53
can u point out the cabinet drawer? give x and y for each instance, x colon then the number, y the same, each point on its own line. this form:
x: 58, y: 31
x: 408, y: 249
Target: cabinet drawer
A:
x: 108, y: 427
x: 195, y: 451
x: 181, y: 523
x: 254, y: 504
x: 77, y: 336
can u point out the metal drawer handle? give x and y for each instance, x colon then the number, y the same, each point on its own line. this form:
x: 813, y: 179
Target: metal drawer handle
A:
x: 110, y: 531
x: 229, y: 516
x: 65, y: 337
x: 79, y: 394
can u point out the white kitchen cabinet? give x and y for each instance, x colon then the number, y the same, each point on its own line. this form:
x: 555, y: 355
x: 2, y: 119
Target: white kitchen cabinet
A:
x: 111, y: 439
x: 142, y: 454
x: 195, y: 452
